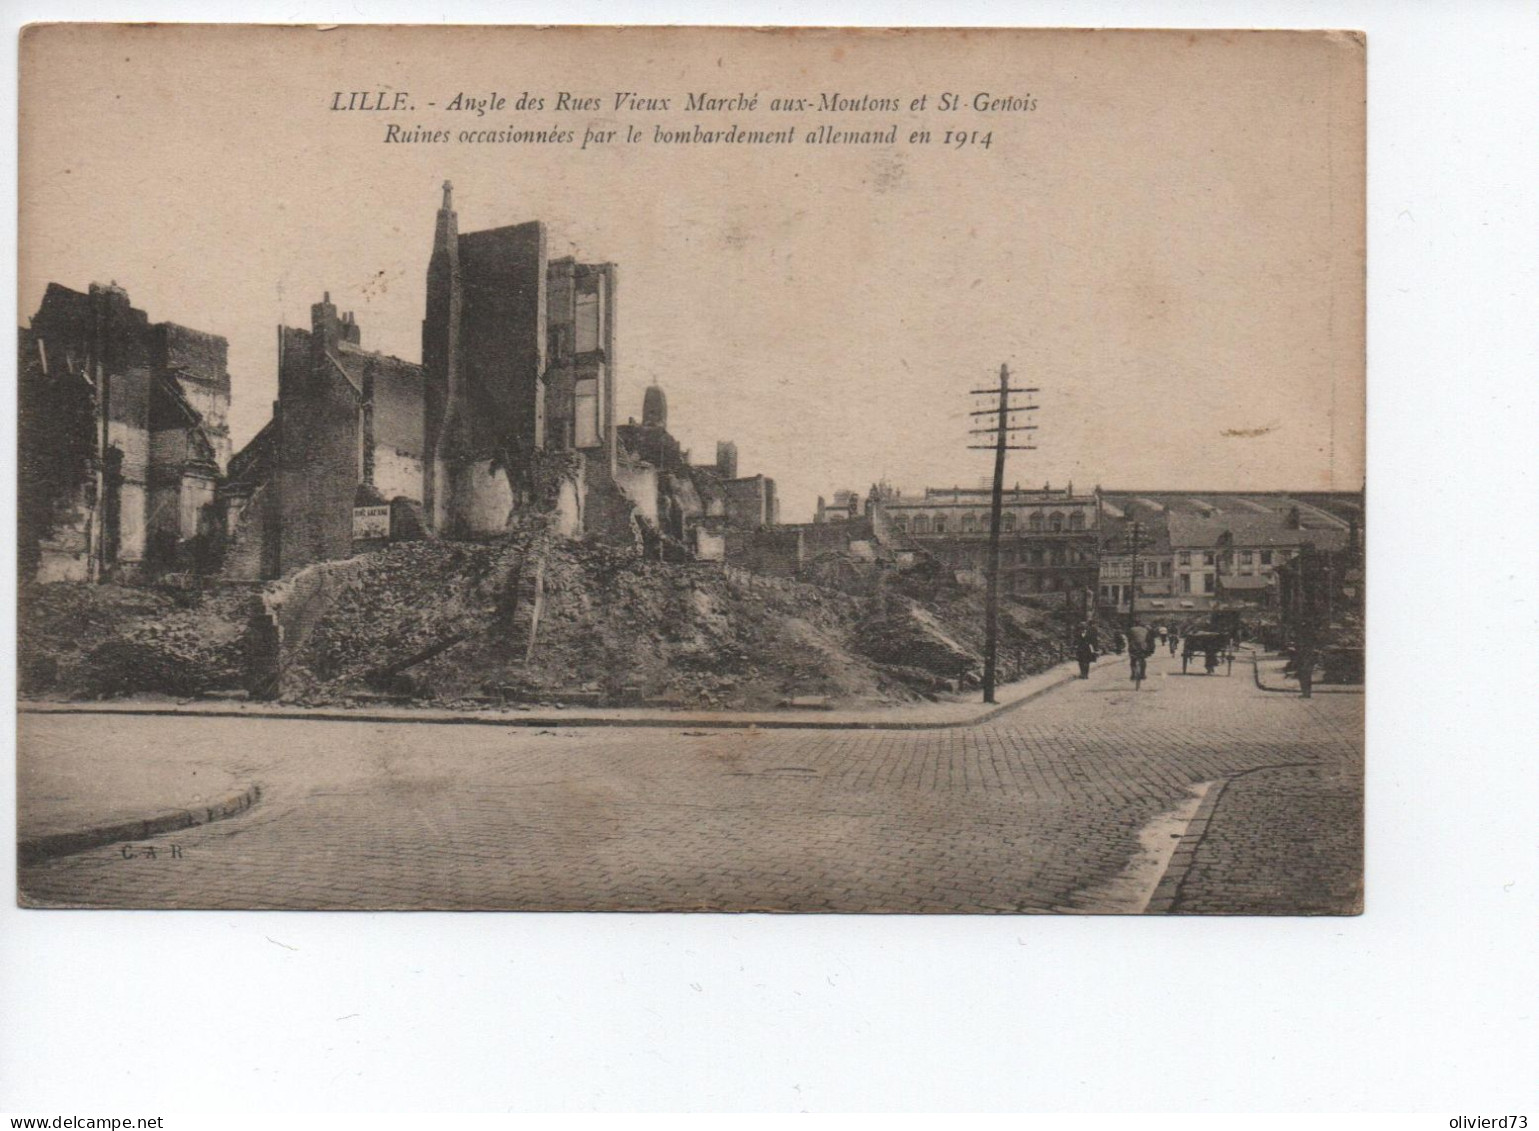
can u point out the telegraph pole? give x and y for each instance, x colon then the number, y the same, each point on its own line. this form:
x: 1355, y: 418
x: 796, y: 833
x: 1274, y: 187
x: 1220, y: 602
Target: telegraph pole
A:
x: 1001, y: 433
x: 1135, y: 541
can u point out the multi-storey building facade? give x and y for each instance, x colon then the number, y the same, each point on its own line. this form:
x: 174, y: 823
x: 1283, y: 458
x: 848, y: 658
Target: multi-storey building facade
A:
x: 1047, y: 536
x: 1223, y: 548
x: 1148, y: 574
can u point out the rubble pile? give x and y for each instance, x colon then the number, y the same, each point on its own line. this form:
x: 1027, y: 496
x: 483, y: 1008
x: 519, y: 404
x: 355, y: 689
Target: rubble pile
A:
x: 533, y: 618
x: 927, y: 628
x: 945, y: 637
x: 401, y: 603
x: 541, y: 620
x: 83, y: 641
x: 614, y: 628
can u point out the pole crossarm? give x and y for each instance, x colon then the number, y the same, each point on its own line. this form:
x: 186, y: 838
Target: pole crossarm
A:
x: 1000, y: 445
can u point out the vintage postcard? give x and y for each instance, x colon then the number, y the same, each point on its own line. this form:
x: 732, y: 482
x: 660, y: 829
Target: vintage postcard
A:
x: 691, y: 469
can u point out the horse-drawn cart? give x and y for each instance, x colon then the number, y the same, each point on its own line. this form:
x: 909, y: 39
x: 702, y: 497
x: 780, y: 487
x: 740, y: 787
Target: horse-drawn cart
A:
x: 1213, y: 647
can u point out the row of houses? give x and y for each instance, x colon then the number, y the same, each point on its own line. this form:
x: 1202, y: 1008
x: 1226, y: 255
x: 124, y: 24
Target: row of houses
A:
x: 1197, y: 552
x: 1210, y: 550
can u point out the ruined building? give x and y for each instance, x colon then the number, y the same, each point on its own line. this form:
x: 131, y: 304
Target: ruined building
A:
x: 510, y: 415
x: 340, y: 463
x: 703, y: 511
x: 845, y: 507
x: 518, y: 354
x: 510, y: 411
x: 123, y: 436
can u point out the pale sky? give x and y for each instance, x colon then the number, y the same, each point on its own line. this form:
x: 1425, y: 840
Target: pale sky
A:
x: 1170, y: 245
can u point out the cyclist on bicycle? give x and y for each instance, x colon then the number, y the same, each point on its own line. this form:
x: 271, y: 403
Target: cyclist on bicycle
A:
x: 1140, y: 645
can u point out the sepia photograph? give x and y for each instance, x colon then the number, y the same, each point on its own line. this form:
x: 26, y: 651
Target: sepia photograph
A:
x: 691, y: 469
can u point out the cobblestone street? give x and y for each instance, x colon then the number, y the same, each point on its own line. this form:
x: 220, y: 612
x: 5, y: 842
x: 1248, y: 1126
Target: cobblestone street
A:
x: 1074, y: 801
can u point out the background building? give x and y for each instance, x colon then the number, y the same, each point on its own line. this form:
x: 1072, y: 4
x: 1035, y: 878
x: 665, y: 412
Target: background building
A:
x: 1153, y: 563
x: 1223, y: 548
x: 1047, y: 535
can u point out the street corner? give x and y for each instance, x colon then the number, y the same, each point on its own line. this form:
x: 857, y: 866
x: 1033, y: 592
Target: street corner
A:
x: 48, y: 831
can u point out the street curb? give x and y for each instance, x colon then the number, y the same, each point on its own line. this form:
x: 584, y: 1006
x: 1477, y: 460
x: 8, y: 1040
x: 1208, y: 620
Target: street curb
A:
x: 1255, y: 667
x: 1168, y: 891
x: 37, y: 849
x: 1169, y: 888
x: 333, y: 715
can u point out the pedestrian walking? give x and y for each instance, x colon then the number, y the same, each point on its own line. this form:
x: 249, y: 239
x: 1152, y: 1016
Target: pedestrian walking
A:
x: 1304, y: 664
x: 1085, y: 649
x: 1172, y: 641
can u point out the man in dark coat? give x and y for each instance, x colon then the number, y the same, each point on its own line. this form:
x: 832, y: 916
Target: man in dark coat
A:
x: 1085, y: 648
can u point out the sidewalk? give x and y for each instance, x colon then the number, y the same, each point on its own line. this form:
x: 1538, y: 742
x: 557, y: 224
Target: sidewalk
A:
x: 66, y: 804
x: 918, y: 716
x: 1269, y: 677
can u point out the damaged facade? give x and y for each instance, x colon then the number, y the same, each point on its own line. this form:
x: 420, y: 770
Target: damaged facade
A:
x: 123, y: 436
x: 511, y: 411
x: 510, y: 414
x: 846, y: 506
x: 340, y: 463
x: 704, y: 512
x: 518, y: 355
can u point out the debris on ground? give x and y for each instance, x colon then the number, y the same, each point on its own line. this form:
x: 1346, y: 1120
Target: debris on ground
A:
x: 82, y: 641
x: 533, y: 619
x: 543, y: 620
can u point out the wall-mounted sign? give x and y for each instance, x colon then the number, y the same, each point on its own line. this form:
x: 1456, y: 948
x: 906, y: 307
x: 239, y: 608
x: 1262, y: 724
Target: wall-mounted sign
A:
x: 371, y: 522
